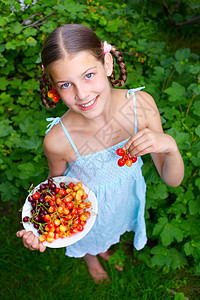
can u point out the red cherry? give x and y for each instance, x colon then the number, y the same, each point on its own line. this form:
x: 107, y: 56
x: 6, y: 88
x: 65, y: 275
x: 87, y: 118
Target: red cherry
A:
x: 57, y: 190
x: 47, y: 218
x: 50, y: 94
x: 134, y: 159
x: 120, y: 152
x: 55, y: 98
x: 26, y: 219
x: 80, y: 227
x: 36, y: 196
x: 121, y: 162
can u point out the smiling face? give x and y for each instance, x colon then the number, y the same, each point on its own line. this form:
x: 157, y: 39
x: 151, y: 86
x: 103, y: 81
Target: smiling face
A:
x: 82, y: 83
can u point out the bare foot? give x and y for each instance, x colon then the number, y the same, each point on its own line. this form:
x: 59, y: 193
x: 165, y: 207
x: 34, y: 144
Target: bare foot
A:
x: 96, y: 270
x: 106, y: 256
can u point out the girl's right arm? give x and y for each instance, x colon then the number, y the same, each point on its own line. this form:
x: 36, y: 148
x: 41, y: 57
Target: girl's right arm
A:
x: 57, y: 167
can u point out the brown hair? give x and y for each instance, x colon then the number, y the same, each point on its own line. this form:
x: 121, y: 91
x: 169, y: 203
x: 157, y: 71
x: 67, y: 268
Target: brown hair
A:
x: 74, y: 38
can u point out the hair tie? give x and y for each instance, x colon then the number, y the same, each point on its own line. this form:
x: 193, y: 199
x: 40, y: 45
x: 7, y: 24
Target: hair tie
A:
x: 106, y: 47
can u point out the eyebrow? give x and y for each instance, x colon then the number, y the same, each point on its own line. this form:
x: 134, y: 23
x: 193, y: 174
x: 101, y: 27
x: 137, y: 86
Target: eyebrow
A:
x: 61, y: 81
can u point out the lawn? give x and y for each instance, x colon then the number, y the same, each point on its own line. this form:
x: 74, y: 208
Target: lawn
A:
x: 51, y: 275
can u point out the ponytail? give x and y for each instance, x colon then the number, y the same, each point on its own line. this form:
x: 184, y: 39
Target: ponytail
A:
x: 120, y: 61
x: 44, y: 84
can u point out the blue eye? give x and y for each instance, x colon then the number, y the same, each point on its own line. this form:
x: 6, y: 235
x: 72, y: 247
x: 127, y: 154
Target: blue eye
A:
x: 65, y: 85
x: 88, y: 76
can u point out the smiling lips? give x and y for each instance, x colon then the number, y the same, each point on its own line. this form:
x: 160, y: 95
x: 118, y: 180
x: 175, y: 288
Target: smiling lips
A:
x: 89, y: 105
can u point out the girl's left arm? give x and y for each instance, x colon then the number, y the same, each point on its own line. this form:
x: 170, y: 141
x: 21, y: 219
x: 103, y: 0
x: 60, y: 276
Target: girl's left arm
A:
x: 162, y: 147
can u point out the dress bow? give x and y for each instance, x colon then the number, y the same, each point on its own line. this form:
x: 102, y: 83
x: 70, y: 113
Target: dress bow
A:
x: 132, y: 91
x: 53, y: 121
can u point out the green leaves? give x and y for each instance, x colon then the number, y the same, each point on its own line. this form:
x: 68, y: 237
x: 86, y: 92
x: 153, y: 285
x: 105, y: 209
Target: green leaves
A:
x: 197, y: 108
x: 194, y: 206
x: 28, y: 170
x: 179, y: 296
x: 10, y: 45
x: 176, y: 92
x: 69, y: 7
x: 3, y: 83
x: 16, y: 28
x: 192, y: 248
x: 8, y: 191
x: 33, y: 143
x: 167, y: 258
x: 31, y: 41
x: 29, y: 31
x: 117, y: 258
x: 195, y: 88
x: 5, y: 128
x: 181, y: 138
x: 168, y: 231
x: 182, y: 54
x: 158, y: 191
x: 113, y: 25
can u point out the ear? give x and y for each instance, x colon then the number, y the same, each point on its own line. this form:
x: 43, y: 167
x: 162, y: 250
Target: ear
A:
x: 108, y: 64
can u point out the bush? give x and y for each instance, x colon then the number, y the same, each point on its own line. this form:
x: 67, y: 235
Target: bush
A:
x: 172, y: 214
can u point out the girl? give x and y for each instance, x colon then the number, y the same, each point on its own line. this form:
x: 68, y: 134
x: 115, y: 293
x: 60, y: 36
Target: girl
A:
x: 99, y: 120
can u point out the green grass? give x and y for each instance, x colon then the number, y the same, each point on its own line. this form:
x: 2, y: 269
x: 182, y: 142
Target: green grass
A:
x: 51, y: 275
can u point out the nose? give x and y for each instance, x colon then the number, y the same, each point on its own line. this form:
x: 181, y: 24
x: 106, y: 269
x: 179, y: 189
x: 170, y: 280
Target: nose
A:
x: 81, y: 92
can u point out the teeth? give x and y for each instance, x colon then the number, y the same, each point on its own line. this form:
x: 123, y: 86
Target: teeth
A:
x: 88, y: 104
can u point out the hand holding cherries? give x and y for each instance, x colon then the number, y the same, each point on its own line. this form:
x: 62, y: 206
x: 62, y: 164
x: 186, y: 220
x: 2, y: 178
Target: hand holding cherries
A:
x: 126, y: 159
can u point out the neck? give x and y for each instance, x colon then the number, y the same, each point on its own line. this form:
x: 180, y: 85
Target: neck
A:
x: 107, y: 114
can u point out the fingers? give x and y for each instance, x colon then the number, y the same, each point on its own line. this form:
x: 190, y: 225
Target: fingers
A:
x: 20, y: 233
x: 28, y: 238
x: 143, y: 142
x: 141, y: 149
x: 139, y: 144
x: 31, y: 241
x: 133, y: 139
x: 42, y: 248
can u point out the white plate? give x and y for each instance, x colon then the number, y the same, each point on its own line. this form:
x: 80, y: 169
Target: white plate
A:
x: 59, y: 243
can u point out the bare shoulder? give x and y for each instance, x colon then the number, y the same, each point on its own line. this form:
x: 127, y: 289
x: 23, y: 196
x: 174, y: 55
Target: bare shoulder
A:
x: 147, y: 109
x: 56, y: 143
x: 146, y: 101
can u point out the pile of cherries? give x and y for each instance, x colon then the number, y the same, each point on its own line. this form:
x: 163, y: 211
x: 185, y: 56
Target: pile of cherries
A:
x: 125, y: 159
x: 58, y: 212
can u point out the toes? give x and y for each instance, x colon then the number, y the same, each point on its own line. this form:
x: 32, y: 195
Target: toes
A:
x: 99, y: 277
x: 106, y: 255
x: 102, y: 280
x: 119, y: 268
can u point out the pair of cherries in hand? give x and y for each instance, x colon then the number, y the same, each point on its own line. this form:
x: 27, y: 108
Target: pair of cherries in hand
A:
x: 125, y: 159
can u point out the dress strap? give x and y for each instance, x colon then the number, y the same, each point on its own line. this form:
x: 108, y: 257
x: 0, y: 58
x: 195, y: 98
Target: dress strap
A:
x: 55, y: 121
x: 132, y: 92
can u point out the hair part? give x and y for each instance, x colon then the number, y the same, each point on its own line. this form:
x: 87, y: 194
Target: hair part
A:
x: 71, y: 39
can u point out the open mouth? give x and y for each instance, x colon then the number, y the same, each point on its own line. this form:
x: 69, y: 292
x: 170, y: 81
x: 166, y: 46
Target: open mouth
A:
x: 89, y: 105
